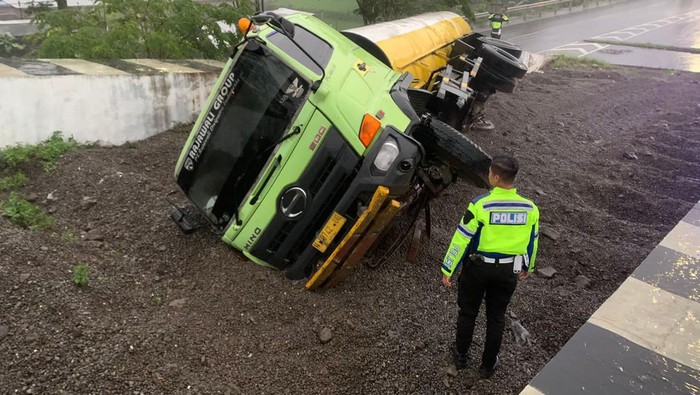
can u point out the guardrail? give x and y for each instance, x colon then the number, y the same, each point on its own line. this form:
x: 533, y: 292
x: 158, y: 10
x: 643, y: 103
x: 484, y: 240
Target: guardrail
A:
x: 525, y: 8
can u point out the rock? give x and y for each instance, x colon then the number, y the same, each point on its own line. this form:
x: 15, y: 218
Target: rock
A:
x: 547, y: 272
x: 446, y: 382
x: 44, y: 248
x: 88, y: 202
x: 162, y: 248
x: 451, y: 371
x: 551, y: 233
x: 325, y: 335
x: 540, y: 192
x: 582, y: 281
x: 522, y: 336
x: 606, y: 277
x: 4, y: 331
x: 178, y: 302
x: 93, y: 235
x: 23, y: 277
x: 32, y: 197
x: 512, y: 315
x: 561, y: 124
x: 51, y: 210
x: 631, y: 156
x: 393, y: 334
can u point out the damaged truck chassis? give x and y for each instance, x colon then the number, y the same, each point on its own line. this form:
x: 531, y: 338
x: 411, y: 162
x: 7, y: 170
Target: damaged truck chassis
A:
x: 314, y: 140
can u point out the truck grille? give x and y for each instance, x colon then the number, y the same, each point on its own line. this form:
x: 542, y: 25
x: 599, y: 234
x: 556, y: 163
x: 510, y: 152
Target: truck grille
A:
x: 326, y: 180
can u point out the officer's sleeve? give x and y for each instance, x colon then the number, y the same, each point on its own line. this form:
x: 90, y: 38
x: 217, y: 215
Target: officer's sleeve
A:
x: 534, y: 241
x: 460, y: 241
x: 505, y: 18
x: 490, y: 16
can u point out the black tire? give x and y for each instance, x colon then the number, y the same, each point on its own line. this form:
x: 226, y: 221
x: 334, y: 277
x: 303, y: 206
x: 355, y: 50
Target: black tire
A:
x: 466, y: 159
x: 500, y: 62
x: 485, y: 80
x: 511, y: 48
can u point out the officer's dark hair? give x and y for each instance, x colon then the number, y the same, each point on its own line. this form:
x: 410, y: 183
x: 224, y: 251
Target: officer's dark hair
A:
x: 505, y: 167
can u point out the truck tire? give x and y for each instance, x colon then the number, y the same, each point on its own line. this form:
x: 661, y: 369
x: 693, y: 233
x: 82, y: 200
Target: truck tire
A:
x: 500, y: 62
x: 466, y: 159
x: 486, y: 80
x: 511, y: 48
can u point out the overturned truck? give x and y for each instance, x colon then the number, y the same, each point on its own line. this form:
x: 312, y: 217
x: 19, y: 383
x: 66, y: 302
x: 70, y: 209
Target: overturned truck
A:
x: 314, y: 140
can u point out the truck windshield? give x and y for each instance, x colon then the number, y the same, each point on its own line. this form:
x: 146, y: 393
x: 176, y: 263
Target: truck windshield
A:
x: 255, y: 105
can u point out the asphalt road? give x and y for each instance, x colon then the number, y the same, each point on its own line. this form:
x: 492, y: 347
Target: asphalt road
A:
x: 656, y: 24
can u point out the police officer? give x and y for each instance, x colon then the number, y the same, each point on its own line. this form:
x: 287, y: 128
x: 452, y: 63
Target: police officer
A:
x: 497, y: 20
x: 495, y: 244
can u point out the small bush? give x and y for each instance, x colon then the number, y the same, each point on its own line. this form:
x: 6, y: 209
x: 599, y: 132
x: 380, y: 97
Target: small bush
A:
x: 68, y: 237
x: 81, y: 275
x: 560, y: 61
x: 25, y: 214
x: 48, y: 152
x: 13, y: 182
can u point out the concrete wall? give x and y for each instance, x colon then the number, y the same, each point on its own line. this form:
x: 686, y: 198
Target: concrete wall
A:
x: 106, y: 109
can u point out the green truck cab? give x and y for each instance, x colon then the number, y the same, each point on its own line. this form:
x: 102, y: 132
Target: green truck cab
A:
x: 309, y: 145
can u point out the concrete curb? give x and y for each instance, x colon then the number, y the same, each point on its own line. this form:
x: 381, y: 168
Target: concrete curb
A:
x: 534, y: 61
x: 646, y: 337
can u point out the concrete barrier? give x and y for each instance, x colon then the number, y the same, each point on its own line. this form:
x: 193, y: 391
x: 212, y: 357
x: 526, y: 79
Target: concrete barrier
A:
x: 534, y: 61
x: 645, y: 339
x: 111, y: 103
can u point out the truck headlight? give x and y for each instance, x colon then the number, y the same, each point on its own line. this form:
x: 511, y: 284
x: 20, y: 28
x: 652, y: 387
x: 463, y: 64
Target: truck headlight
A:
x: 387, y: 155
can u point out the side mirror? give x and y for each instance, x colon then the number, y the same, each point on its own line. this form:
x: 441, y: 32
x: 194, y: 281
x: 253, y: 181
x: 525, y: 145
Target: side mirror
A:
x: 276, y: 22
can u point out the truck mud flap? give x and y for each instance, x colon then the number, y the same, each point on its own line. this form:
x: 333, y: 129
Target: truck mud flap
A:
x: 356, y: 243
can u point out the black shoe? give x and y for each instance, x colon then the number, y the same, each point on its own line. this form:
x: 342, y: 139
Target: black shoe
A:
x: 460, y: 360
x: 485, y: 373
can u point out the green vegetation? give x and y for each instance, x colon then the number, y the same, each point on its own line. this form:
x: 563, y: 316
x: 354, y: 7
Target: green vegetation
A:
x: 373, y: 11
x: 123, y: 29
x: 13, y: 182
x: 25, y: 214
x: 561, y: 61
x: 80, y: 275
x: 47, y: 152
x: 647, y: 46
x: 338, y: 13
x: 9, y: 45
x: 68, y: 236
x: 156, y: 300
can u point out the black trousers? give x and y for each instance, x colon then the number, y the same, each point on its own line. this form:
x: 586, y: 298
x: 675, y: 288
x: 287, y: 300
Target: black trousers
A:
x: 496, y: 284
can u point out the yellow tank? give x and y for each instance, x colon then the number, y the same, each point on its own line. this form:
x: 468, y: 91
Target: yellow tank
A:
x: 419, y: 45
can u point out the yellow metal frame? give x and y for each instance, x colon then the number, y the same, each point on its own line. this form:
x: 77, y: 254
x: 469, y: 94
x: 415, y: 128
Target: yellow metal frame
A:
x: 357, y: 242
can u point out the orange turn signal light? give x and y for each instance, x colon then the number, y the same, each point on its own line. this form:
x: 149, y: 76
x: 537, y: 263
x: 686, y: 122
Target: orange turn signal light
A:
x: 244, y: 25
x: 370, y: 127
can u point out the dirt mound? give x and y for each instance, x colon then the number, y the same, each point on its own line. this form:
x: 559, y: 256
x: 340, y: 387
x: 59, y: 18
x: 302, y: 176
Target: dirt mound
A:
x: 612, y: 157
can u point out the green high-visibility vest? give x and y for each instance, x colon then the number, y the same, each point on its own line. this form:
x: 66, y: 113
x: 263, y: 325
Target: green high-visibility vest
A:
x: 498, y: 224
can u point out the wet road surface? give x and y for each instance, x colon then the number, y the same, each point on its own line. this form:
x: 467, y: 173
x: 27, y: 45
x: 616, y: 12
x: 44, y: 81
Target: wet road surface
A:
x: 655, y: 24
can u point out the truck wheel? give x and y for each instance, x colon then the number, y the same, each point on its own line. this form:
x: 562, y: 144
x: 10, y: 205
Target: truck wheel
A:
x: 485, y: 80
x: 466, y: 159
x: 498, y: 61
x: 511, y: 48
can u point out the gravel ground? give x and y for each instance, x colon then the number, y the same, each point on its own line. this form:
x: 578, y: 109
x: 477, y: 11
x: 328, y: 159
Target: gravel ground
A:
x: 612, y: 157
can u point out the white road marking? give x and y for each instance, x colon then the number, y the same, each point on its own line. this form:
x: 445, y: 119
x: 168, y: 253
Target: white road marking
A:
x: 623, y: 34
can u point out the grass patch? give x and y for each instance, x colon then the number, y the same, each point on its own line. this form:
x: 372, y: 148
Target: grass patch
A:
x: 48, y: 152
x: 560, y: 61
x: 646, y: 46
x: 81, y: 276
x: 68, y: 237
x: 13, y: 182
x: 25, y: 214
